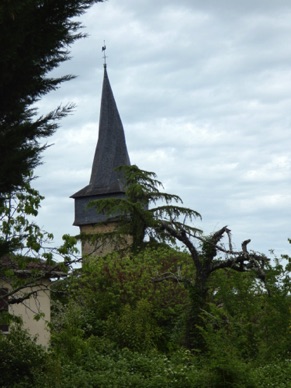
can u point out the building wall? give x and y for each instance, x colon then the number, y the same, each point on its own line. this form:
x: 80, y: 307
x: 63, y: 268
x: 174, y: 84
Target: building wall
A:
x: 95, y: 246
x: 35, y: 304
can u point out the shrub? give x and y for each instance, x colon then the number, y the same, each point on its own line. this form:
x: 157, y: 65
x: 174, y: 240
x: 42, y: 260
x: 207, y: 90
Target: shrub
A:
x: 21, y: 359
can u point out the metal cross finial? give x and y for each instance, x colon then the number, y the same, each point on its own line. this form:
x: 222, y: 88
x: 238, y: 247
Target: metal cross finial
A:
x: 104, y: 53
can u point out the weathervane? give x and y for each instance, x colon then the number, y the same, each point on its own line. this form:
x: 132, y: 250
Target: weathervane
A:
x: 104, y: 53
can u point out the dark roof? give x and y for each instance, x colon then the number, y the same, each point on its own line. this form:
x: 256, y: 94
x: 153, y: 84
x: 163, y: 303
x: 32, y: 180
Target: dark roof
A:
x: 111, y: 151
x: 22, y: 265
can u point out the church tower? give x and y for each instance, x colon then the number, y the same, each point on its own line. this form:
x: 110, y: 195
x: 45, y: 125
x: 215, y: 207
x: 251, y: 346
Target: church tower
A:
x: 105, y: 182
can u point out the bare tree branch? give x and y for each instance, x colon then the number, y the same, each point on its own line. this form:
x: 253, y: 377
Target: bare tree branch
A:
x: 182, y: 236
x: 244, y: 245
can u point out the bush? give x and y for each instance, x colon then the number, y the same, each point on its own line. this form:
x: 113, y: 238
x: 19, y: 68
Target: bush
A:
x: 126, y: 368
x: 275, y: 375
x: 21, y: 359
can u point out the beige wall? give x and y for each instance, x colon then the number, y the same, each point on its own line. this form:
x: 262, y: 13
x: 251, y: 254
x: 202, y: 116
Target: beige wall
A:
x: 101, y: 247
x: 35, y: 304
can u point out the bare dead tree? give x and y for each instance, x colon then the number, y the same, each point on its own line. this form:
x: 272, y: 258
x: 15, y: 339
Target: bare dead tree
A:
x: 209, y: 254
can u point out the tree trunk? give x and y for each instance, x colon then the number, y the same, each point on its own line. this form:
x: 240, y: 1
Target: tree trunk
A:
x: 199, y: 296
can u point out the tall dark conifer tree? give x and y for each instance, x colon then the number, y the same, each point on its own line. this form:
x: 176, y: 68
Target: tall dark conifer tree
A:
x: 35, y: 36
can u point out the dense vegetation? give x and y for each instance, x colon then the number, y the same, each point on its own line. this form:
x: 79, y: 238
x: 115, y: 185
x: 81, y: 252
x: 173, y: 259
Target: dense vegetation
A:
x: 114, y: 325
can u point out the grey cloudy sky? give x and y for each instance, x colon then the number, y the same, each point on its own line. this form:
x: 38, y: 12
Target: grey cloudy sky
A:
x: 203, y: 89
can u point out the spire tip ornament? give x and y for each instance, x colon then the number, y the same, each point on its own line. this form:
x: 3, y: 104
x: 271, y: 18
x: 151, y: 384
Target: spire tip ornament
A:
x: 104, y: 54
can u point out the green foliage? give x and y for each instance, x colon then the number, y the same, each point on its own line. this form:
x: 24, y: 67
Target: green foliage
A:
x: 101, y: 364
x: 21, y: 359
x: 134, y: 327
x: 142, y: 302
x: 245, y: 317
x: 67, y: 335
x: 21, y: 240
x: 121, y: 327
x: 26, y: 251
x: 113, y: 294
x: 96, y: 362
x: 16, y: 223
x: 276, y: 374
x: 246, y: 331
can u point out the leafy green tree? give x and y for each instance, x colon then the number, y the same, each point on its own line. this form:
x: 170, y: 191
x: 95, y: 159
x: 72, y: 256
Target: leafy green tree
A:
x: 169, y: 223
x: 117, y: 298
x: 28, y: 254
x: 35, y: 36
